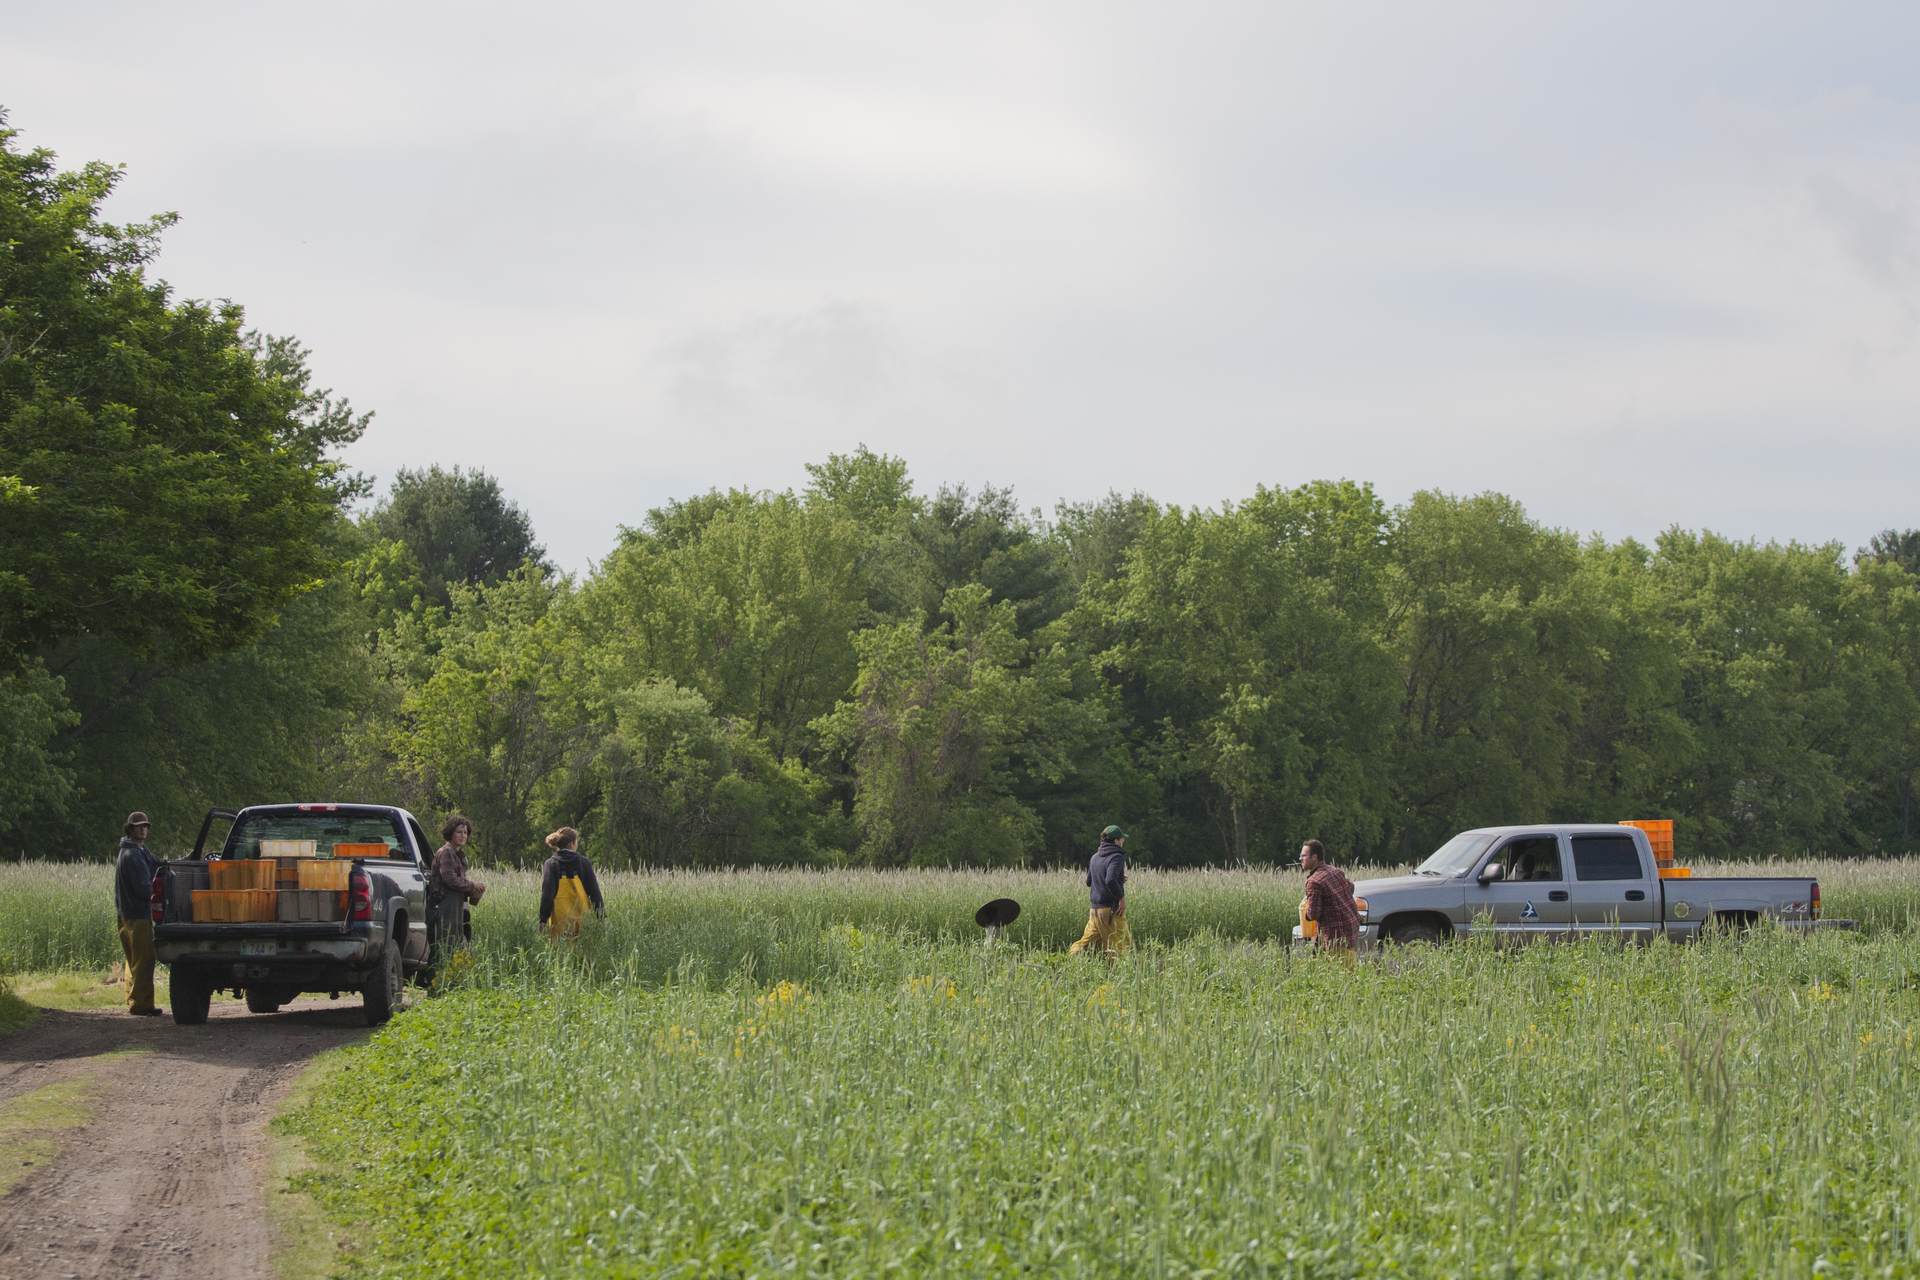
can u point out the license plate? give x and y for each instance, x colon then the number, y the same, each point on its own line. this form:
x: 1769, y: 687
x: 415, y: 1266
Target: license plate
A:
x: 257, y: 948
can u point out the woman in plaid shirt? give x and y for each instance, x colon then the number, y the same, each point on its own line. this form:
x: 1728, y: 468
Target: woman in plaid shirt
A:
x: 1329, y: 899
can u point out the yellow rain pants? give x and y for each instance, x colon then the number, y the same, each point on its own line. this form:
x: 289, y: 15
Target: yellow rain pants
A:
x: 1106, y: 933
x: 136, y: 942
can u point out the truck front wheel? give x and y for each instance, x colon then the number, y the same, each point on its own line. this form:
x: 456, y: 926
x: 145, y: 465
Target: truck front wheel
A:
x: 382, y: 995
x: 1415, y: 933
x: 191, y: 995
x: 261, y: 1000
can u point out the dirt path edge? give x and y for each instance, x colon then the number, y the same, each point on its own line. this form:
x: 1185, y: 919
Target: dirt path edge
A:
x: 306, y: 1242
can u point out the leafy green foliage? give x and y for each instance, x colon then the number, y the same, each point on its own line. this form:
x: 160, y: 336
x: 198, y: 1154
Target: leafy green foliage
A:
x: 457, y: 526
x: 934, y: 725
x: 911, y: 1107
x: 166, y: 479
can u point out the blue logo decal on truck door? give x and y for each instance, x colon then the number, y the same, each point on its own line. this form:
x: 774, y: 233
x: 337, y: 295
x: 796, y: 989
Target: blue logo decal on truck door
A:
x: 1528, y: 913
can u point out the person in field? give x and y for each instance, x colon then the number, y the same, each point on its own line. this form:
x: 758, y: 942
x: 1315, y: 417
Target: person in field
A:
x: 568, y: 888
x: 449, y: 888
x: 1107, y: 893
x: 1329, y: 900
x: 134, y: 868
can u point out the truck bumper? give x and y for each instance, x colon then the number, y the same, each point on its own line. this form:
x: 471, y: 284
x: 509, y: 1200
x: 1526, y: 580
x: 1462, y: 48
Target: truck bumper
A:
x: 1369, y: 938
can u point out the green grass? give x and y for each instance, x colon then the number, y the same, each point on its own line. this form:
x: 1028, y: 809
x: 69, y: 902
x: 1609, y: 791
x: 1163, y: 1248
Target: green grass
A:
x: 31, y: 1124
x: 825, y: 1074
x: 1206, y: 1108
x: 59, y: 916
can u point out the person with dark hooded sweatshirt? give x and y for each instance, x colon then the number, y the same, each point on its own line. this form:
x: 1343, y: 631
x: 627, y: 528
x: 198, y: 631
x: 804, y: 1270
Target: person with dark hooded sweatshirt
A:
x: 1107, y: 893
x: 567, y: 887
x: 134, y: 868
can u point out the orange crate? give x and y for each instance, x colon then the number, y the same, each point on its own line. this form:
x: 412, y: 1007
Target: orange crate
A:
x: 227, y: 906
x: 325, y: 873
x: 1676, y: 873
x: 360, y: 851
x: 242, y: 873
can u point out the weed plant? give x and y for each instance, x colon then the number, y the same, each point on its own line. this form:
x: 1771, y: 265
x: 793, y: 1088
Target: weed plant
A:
x: 1208, y: 1108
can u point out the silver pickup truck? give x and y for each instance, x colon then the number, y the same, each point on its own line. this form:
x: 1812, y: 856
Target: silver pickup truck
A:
x: 1559, y: 881
x: 370, y: 937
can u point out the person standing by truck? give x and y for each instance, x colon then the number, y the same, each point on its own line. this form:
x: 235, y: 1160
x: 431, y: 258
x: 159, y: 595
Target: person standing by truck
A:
x: 133, y: 871
x: 568, y: 887
x: 1329, y: 900
x: 449, y: 889
x: 1107, y: 893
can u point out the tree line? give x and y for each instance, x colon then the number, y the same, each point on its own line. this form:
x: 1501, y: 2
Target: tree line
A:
x: 860, y: 672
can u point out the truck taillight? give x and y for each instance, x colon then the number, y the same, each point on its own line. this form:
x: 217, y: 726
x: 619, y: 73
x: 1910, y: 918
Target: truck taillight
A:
x: 361, y: 894
x: 157, y: 898
x: 1813, y: 903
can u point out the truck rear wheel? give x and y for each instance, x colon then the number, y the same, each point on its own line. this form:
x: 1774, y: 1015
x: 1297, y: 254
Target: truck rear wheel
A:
x: 191, y: 996
x: 381, y: 997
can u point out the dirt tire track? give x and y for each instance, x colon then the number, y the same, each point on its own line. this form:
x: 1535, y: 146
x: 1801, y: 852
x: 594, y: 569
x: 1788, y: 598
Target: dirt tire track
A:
x: 169, y: 1177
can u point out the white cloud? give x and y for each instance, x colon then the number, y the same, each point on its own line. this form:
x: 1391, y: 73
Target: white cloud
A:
x: 1634, y: 265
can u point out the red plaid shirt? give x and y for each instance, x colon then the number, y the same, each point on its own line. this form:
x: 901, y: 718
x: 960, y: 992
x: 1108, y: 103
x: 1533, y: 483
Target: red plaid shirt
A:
x: 1330, y: 904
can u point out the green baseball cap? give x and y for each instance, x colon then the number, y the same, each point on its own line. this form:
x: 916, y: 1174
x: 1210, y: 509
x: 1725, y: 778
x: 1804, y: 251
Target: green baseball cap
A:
x: 1113, y: 833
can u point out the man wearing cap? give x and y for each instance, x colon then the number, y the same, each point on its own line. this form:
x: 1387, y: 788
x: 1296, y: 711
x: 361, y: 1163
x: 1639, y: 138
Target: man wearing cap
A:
x: 1107, y: 891
x: 133, y: 871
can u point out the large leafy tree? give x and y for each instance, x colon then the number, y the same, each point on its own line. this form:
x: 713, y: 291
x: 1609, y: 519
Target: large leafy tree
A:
x: 1494, y: 645
x: 1247, y: 644
x: 458, y: 526
x: 167, y: 482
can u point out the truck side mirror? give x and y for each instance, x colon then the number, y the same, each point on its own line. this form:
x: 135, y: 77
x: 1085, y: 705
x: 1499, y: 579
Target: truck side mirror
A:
x: 1491, y: 872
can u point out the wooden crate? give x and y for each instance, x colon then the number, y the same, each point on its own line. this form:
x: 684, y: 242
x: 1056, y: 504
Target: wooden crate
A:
x: 361, y: 851
x: 288, y: 848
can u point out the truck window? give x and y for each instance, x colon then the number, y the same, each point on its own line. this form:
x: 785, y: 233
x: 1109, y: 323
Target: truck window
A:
x: 1606, y: 858
x: 325, y: 830
x: 1532, y: 858
x: 1457, y: 856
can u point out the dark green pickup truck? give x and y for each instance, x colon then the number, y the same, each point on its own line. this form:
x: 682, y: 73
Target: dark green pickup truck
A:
x: 371, y: 944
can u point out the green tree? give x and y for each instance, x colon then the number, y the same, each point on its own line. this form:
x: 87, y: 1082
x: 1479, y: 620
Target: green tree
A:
x: 1777, y: 684
x: 1894, y: 546
x: 34, y: 772
x: 164, y: 474
x: 502, y: 722
x: 1247, y: 646
x: 672, y: 785
x: 1096, y: 536
x: 935, y: 725
x: 1495, y: 648
x: 459, y: 528
x: 756, y: 611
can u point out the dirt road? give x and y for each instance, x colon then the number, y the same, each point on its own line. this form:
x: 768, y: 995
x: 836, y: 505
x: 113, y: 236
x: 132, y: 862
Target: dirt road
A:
x: 168, y: 1177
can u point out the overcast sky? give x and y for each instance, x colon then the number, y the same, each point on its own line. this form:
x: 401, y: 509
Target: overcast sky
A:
x: 1634, y: 264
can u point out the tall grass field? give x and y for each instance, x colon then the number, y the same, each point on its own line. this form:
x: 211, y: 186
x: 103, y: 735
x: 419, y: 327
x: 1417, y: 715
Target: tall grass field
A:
x: 827, y: 1074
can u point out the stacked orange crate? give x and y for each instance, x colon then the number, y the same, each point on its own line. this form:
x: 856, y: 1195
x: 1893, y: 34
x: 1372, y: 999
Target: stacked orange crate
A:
x: 1660, y: 836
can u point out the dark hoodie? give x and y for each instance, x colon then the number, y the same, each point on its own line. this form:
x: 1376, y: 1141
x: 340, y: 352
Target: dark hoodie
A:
x: 568, y: 862
x: 1107, y: 875
x: 133, y: 871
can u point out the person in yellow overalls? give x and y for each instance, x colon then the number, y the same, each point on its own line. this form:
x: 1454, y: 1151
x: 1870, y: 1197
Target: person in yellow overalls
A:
x: 1107, y: 893
x: 568, y: 889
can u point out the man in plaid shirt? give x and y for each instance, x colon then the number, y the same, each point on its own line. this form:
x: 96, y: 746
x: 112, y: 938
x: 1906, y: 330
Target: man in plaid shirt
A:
x: 1329, y: 899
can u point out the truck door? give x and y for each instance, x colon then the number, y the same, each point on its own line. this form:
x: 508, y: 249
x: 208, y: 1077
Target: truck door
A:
x: 1530, y: 897
x: 1614, y: 890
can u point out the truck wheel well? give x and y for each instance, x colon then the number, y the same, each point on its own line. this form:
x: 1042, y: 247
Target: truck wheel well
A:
x: 1736, y: 921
